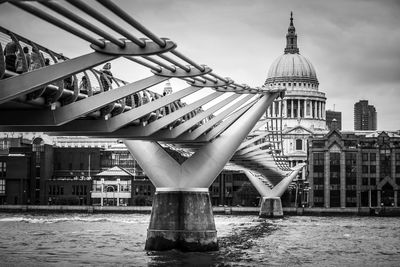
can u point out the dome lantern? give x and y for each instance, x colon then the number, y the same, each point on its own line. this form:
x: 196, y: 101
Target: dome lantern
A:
x: 291, y: 38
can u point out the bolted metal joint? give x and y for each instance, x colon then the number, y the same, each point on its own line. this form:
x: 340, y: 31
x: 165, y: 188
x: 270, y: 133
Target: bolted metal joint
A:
x: 217, y: 85
x: 181, y: 73
x: 132, y: 49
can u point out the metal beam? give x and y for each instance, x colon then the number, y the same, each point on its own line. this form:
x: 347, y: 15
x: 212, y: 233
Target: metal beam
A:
x: 127, y: 117
x: 77, y: 109
x: 252, y: 140
x: 174, y: 116
x: 30, y: 81
x: 203, y: 128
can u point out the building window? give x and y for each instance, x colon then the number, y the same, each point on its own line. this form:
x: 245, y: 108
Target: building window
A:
x: 318, y: 160
x: 3, y: 169
x: 299, y: 144
x: 372, y: 181
x: 397, y: 168
x: 364, y: 156
x: 372, y: 156
x: 372, y: 169
x: 364, y: 168
x: 364, y: 181
x: 2, y: 186
x: 385, y: 162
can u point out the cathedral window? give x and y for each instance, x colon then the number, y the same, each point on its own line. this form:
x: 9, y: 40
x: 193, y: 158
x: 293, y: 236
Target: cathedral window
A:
x: 299, y: 144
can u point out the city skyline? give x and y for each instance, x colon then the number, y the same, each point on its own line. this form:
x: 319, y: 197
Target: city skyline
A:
x: 342, y: 39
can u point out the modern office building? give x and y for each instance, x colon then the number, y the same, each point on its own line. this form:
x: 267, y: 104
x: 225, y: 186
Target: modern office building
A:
x: 303, y: 108
x: 364, y: 116
x: 354, y: 169
x: 334, y: 119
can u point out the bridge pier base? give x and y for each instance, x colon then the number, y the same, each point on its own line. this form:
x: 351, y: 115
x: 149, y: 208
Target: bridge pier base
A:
x: 271, y: 207
x: 182, y: 220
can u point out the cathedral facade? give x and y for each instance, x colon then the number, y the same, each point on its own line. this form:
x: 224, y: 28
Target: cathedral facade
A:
x: 303, y: 108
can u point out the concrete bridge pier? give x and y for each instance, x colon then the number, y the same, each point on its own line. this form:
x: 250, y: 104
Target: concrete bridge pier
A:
x: 182, y: 220
x: 182, y: 215
x: 271, y: 207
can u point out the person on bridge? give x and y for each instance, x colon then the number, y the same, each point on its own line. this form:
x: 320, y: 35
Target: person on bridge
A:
x: 35, y: 60
x: 19, y: 64
x: 106, y: 76
x: 84, y: 85
x: 10, y: 53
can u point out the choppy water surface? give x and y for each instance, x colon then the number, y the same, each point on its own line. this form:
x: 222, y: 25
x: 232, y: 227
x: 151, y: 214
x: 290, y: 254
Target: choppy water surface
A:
x: 115, y: 239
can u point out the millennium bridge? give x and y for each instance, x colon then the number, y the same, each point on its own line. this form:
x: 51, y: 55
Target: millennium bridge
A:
x: 42, y: 93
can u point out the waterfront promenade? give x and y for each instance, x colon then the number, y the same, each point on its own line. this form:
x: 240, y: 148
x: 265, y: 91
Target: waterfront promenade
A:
x: 227, y: 210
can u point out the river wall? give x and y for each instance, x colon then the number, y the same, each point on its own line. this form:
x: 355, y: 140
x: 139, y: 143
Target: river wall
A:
x: 363, y: 211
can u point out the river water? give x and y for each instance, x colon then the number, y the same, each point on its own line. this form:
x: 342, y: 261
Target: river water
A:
x: 118, y: 239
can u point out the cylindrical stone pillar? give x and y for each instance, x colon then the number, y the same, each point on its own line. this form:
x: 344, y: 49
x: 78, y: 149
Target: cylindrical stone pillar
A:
x: 182, y: 220
x: 271, y: 207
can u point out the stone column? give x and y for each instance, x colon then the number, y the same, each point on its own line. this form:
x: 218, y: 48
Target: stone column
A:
x: 298, y: 108
x: 280, y: 108
x: 271, y: 207
x: 327, y: 192
x: 321, y: 116
x: 187, y: 215
x: 284, y: 108
x: 315, y: 109
x: 273, y: 109
x: 292, y: 111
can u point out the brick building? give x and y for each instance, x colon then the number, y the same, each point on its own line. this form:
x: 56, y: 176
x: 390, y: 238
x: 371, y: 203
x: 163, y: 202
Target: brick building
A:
x: 354, y: 169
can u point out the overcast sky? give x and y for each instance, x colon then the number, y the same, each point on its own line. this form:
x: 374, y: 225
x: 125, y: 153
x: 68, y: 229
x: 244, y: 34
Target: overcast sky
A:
x: 354, y: 45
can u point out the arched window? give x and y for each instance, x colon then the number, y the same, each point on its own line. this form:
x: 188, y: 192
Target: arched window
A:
x: 299, y: 144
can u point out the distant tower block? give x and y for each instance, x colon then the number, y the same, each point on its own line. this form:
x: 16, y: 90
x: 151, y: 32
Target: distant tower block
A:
x: 167, y: 88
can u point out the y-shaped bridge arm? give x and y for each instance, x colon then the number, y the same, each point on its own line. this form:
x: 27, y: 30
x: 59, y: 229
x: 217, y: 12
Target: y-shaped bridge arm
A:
x: 279, y: 189
x: 200, y: 170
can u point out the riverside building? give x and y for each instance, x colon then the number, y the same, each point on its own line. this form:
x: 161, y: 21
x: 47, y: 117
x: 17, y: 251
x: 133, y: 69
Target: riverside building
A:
x: 354, y: 169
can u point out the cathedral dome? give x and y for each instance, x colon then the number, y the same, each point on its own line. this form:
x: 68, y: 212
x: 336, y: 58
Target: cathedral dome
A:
x: 291, y: 66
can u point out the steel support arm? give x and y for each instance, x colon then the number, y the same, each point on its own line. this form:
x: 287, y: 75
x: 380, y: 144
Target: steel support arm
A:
x: 200, y: 170
x: 27, y: 82
x: 136, y: 113
x: 203, y: 128
x: 279, y: 189
x: 187, y: 125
